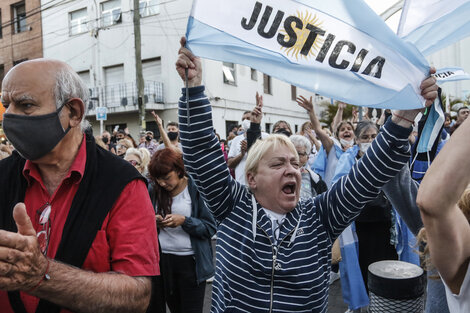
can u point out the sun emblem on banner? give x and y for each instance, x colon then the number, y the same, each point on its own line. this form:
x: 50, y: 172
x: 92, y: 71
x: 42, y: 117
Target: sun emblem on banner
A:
x: 302, y: 35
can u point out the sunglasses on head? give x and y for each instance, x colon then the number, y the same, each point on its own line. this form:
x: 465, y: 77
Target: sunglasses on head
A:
x: 134, y: 162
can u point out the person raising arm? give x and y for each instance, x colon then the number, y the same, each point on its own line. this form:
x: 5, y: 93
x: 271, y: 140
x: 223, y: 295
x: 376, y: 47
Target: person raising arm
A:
x: 448, y: 230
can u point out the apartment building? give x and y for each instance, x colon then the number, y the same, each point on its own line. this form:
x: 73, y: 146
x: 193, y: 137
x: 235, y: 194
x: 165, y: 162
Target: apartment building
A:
x: 97, y: 39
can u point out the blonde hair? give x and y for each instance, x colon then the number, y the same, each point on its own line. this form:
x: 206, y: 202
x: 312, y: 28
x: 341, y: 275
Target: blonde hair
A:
x: 262, y: 146
x: 142, y: 154
x: 100, y: 142
x: 125, y: 142
x: 421, y: 238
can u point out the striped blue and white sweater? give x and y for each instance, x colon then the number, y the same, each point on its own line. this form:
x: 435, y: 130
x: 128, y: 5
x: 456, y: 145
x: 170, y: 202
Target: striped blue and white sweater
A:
x: 253, y: 274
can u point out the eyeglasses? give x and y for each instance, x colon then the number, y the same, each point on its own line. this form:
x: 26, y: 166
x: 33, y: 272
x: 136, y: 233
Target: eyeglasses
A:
x: 134, y: 162
x: 42, y: 217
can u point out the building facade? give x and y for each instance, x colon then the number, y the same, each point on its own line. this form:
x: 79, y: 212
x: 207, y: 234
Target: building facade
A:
x: 97, y: 39
x: 20, y: 32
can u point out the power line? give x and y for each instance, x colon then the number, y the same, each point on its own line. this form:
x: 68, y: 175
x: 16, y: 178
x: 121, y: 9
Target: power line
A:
x: 115, y: 26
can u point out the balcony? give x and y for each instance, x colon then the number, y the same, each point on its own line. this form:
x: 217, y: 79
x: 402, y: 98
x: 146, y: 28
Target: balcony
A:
x: 120, y: 98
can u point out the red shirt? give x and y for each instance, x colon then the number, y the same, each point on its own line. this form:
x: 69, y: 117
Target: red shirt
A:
x: 127, y: 242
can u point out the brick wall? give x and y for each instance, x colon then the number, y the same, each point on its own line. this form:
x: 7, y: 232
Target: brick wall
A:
x: 26, y: 44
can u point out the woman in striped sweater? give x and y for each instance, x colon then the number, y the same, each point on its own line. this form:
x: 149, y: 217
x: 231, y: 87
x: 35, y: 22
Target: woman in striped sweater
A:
x: 273, y: 250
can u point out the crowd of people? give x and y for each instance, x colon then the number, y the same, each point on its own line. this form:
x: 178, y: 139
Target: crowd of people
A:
x: 104, y: 223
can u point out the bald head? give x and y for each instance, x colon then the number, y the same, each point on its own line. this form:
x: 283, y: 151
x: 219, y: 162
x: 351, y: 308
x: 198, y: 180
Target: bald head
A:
x: 54, y: 81
x: 55, y: 76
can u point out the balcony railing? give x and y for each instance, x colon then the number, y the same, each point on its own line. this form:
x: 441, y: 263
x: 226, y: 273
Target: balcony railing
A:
x: 121, y: 96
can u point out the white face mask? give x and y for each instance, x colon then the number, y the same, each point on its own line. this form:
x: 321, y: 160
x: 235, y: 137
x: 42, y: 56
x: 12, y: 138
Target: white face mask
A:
x: 346, y: 143
x: 246, y: 124
x: 364, y: 146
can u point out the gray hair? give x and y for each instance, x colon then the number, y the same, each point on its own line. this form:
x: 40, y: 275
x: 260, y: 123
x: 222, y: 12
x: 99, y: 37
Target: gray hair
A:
x: 363, y: 126
x: 299, y: 140
x: 70, y: 85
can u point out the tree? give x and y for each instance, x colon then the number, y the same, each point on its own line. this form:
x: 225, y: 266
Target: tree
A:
x: 329, y: 112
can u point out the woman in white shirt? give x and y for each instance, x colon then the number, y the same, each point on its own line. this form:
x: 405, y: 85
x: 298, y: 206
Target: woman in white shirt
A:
x: 442, y: 196
x: 185, y: 228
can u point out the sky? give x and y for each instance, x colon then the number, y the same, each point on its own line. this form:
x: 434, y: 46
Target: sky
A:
x: 380, y: 6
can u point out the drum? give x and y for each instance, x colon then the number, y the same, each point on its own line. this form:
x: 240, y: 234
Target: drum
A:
x: 396, y: 286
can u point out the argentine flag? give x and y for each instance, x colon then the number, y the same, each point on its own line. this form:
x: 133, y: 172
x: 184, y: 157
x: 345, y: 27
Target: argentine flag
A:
x: 450, y: 74
x: 338, y: 48
x: 432, y: 25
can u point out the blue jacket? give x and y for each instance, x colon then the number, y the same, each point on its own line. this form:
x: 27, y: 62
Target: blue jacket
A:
x: 253, y: 273
x: 201, y: 227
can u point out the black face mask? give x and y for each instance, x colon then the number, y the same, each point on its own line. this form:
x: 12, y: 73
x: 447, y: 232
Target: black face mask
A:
x: 172, y: 136
x: 283, y: 131
x: 34, y: 136
x: 105, y: 140
x: 148, y: 138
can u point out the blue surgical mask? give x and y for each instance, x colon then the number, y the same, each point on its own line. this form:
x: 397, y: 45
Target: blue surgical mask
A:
x: 431, y: 128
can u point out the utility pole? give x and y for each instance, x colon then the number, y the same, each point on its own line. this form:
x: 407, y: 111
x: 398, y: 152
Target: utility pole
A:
x: 138, y: 66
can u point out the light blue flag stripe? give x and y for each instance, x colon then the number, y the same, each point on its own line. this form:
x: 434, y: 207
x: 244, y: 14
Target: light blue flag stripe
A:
x: 407, y: 246
x: 212, y: 43
x: 352, y: 284
x: 448, y: 29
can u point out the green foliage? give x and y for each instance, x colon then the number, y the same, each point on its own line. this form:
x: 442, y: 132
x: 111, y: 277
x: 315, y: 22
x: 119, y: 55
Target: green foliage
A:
x: 454, y: 100
x: 329, y: 112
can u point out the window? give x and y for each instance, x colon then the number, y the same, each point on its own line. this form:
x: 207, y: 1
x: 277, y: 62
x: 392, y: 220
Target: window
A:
x: 229, y: 125
x: 267, y: 84
x: 85, y: 77
x: 114, y: 78
x: 110, y: 13
x: 2, y: 72
x: 229, y: 73
x: 267, y: 127
x: 110, y: 128
x: 18, y: 11
x: 78, y: 22
x: 152, y: 70
x: 293, y: 92
x: 19, y: 61
x: 148, y: 7
x: 254, y: 74
x: 0, y: 23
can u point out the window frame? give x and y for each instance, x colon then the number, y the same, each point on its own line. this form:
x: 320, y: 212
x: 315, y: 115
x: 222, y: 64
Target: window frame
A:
x: 82, y: 22
x: 17, y: 24
x: 293, y: 92
x: 229, y: 72
x: 148, y: 4
x: 254, y: 74
x: 111, y: 12
x: 1, y: 28
x: 267, y: 84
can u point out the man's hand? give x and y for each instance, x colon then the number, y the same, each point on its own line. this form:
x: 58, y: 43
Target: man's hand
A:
x: 157, y: 118
x: 22, y: 265
x: 306, y: 104
x: 257, y: 113
x: 186, y: 60
x: 428, y: 91
x: 173, y: 220
x: 243, y: 146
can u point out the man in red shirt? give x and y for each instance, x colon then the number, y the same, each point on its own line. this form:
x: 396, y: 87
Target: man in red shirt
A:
x: 77, y: 226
